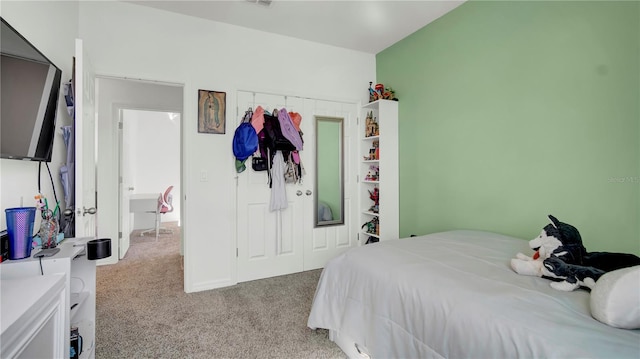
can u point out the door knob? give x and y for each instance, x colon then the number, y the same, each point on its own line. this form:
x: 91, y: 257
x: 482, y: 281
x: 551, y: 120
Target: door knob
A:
x: 91, y: 210
x: 298, y: 193
x: 309, y: 192
x: 130, y: 188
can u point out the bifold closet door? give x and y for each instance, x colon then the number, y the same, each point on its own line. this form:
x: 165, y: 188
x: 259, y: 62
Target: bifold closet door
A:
x: 288, y: 241
x: 322, y: 243
x: 269, y: 243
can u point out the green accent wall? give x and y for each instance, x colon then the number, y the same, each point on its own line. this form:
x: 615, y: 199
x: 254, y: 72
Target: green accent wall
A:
x: 510, y: 111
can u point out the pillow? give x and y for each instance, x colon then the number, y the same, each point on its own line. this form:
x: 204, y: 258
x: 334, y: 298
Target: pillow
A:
x: 615, y: 298
x: 324, y: 212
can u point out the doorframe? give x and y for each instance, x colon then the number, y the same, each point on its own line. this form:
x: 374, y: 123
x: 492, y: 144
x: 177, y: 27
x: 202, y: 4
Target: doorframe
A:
x: 112, y: 122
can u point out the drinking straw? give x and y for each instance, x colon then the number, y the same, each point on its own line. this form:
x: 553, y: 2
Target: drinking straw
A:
x: 55, y: 210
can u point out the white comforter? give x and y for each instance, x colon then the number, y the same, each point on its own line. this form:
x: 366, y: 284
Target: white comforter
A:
x: 454, y: 295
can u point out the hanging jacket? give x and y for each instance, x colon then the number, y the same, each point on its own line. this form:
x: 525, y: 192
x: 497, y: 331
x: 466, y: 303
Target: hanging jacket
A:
x: 288, y: 129
x: 257, y: 119
x: 278, y: 191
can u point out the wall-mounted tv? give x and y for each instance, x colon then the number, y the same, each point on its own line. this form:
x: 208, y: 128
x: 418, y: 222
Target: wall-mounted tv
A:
x: 29, y: 95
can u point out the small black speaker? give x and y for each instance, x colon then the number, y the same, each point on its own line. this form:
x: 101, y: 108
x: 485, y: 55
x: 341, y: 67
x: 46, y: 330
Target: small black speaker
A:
x: 4, y: 245
x: 99, y: 248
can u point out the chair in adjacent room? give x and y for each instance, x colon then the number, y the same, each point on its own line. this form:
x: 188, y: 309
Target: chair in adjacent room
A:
x: 165, y: 205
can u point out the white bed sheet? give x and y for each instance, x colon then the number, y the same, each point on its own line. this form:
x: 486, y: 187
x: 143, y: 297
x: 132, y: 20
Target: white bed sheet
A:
x: 454, y: 295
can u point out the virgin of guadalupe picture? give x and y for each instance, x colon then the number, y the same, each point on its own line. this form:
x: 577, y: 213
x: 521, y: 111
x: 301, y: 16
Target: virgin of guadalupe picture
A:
x: 211, y: 111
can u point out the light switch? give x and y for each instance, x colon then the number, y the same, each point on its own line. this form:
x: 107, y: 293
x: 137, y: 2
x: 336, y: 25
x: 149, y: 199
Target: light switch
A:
x: 204, y: 176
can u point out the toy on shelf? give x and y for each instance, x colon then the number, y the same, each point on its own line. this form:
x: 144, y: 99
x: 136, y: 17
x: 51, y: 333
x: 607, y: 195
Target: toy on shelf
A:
x: 371, y: 125
x: 372, y: 226
x: 373, y: 174
x: 374, y: 152
x: 379, y: 92
x: 370, y: 156
x: 375, y: 197
x: 372, y: 239
x: 372, y: 93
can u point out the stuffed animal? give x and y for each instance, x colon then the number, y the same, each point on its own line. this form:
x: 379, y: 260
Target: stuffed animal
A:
x: 573, y: 276
x: 543, y: 245
x: 566, y: 261
x: 556, y: 238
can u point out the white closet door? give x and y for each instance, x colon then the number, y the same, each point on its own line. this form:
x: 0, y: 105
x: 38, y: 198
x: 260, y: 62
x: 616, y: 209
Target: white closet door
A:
x: 287, y: 241
x: 324, y: 243
x: 269, y: 243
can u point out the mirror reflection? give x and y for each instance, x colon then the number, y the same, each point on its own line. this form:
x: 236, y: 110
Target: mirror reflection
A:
x: 329, y: 191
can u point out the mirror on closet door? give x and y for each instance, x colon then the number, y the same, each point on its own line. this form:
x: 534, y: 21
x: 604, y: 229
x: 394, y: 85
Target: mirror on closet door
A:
x: 329, y: 193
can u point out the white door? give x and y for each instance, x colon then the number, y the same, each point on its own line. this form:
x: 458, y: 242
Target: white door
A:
x: 126, y: 188
x: 277, y: 243
x: 269, y: 243
x: 325, y: 242
x: 85, y: 122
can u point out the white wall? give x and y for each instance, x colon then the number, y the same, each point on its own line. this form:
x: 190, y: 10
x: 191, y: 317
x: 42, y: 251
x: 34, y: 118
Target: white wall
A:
x: 154, y: 142
x: 127, y: 40
x: 52, y: 28
x: 152, y: 44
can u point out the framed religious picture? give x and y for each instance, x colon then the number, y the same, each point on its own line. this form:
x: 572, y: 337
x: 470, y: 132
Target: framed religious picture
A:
x: 211, y: 111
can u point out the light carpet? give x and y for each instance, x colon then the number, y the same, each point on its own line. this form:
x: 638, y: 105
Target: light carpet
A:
x: 142, y: 311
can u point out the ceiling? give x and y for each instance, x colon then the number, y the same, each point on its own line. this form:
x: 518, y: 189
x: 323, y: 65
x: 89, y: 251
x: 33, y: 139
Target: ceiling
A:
x: 363, y: 25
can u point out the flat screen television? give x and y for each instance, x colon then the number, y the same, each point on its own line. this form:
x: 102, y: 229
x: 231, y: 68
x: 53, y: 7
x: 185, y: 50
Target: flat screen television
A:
x: 29, y: 94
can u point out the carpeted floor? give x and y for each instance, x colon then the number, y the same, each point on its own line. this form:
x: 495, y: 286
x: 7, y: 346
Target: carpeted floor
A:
x: 143, y: 312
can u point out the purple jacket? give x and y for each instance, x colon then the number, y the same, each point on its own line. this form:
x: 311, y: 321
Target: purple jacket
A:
x: 288, y: 129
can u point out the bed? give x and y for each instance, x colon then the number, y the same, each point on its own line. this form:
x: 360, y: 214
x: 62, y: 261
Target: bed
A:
x: 454, y: 295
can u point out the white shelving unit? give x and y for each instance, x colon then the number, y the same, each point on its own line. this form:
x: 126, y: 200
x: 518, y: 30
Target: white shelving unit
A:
x: 79, y: 282
x: 379, y: 149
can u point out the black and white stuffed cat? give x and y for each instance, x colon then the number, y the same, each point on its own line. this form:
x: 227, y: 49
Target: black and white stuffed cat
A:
x: 569, y: 264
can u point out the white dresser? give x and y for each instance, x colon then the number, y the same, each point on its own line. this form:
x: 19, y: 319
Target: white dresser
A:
x: 32, y: 317
x: 68, y: 275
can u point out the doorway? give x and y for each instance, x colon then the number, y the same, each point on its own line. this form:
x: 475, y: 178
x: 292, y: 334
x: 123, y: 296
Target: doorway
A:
x: 115, y: 96
x: 150, y: 176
